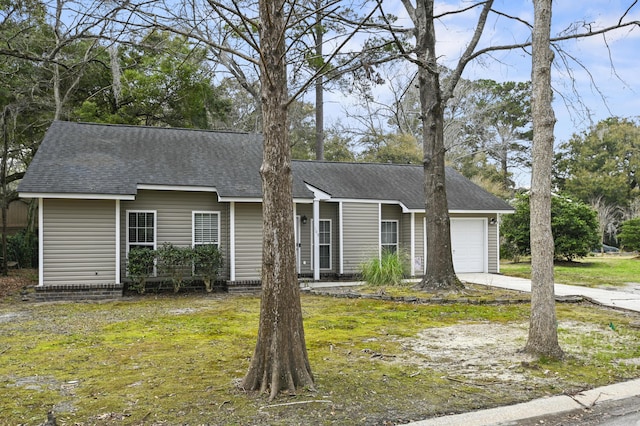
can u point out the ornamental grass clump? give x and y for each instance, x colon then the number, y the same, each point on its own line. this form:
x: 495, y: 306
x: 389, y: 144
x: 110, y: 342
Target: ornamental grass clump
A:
x: 388, y: 269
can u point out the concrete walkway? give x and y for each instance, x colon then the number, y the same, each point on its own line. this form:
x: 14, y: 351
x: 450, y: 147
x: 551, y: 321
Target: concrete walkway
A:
x: 613, y: 298
x: 510, y: 414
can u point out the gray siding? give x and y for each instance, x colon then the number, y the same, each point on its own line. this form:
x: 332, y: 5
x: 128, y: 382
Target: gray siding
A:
x: 248, y: 231
x: 494, y: 248
x: 174, y: 216
x: 420, y: 244
x: 361, y: 229
x: 79, y: 242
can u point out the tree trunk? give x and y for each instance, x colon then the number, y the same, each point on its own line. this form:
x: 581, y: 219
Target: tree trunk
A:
x: 280, y: 360
x: 319, y: 86
x: 543, y: 335
x: 440, y: 274
x: 4, y: 205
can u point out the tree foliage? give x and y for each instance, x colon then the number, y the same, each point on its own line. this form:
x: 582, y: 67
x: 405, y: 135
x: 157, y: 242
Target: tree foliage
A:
x: 574, y: 228
x: 164, y: 81
x: 629, y: 235
x: 602, y: 162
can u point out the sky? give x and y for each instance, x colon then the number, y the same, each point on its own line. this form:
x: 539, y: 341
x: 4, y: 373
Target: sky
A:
x: 604, y: 85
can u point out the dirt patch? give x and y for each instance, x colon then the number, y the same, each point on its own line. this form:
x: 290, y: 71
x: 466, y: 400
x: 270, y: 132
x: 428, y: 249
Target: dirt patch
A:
x: 486, y: 352
x: 16, y: 281
x: 490, y: 353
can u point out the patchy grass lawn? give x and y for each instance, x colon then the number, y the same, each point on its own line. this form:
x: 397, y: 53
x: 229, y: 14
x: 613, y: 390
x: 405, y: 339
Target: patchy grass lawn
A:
x: 166, y: 360
x: 593, y: 271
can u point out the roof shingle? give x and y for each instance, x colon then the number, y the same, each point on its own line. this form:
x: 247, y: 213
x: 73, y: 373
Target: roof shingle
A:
x: 84, y: 158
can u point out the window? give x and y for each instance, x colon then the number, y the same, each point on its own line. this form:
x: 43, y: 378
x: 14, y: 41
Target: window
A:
x: 206, y: 228
x: 141, y: 229
x: 324, y: 240
x: 389, y: 235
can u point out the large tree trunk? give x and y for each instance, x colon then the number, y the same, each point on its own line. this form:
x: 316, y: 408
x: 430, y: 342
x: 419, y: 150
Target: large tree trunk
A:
x: 543, y: 335
x: 4, y: 270
x: 280, y: 360
x: 319, y: 86
x: 440, y: 274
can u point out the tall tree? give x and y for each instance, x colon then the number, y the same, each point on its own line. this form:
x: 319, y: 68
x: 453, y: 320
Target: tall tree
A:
x: 440, y: 274
x: 280, y: 361
x: 543, y: 333
x: 503, y: 120
x: 602, y: 162
x: 162, y: 80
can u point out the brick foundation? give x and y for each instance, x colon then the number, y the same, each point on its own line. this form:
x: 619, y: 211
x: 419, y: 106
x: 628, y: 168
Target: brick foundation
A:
x: 50, y: 293
x: 247, y: 286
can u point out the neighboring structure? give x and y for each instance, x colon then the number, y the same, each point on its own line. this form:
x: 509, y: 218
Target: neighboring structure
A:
x: 103, y: 189
x: 17, y: 216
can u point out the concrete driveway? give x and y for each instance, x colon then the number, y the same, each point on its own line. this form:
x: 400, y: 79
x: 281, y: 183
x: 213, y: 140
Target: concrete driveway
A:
x: 617, y: 298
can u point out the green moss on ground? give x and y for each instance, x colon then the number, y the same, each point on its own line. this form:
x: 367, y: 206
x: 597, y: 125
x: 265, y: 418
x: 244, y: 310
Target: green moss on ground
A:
x: 178, y: 360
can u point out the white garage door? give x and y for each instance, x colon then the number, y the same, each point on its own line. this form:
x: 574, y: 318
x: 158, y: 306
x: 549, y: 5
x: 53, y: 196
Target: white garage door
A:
x: 468, y: 245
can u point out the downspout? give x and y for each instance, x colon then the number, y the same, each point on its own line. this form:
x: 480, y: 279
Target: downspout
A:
x: 232, y: 241
x: 413, y: 244
x: 118, y: 281
x: 40, y: 242
x: 316, y: 239
x: 380, y: 232
x: 340, y: 240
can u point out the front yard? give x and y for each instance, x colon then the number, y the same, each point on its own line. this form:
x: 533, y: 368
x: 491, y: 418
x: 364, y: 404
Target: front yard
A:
x: 594, y: 271
x: 166, y: 360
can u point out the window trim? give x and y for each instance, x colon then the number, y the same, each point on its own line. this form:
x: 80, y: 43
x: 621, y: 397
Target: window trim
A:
x: 193, y: 226
x: 397, y: 234
x: 329, y: 244
x: 154, y: 245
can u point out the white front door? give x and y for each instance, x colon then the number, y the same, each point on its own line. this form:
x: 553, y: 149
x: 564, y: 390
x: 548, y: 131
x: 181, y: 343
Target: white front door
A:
x: 469, y: 245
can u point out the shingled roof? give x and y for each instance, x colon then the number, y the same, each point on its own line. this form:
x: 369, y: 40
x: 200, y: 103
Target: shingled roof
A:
x: 402, y: 183
x: 84, y: 158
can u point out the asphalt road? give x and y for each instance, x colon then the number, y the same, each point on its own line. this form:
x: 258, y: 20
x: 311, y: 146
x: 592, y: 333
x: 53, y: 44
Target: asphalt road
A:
x: 622, y: 412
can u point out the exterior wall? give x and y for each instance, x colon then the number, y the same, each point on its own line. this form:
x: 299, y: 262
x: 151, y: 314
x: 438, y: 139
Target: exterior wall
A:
x: 79, y: 242
x: 248, y: 231
x: 494, y: 247
x: 361, y: 234
x: 17, y: 215
x: 174, y: 216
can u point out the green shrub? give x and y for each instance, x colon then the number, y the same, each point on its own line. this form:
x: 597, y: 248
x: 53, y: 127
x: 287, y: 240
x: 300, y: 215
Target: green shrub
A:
x: 140, y: 266
x: 629, y: 235
x: 207, y: 261
x: 574, y: 226
x: 175, y: 262
x: 22, y: 247
x: 388, y: 269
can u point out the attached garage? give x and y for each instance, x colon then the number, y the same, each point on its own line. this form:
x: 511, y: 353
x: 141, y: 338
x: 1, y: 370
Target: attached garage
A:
x: 469, y: 245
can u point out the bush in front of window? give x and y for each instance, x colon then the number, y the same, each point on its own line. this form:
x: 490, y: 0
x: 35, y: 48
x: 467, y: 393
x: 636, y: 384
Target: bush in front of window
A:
x: 387, y: 269
x: 207, y: 261
x: 140, y: 267
x: 175, y: 262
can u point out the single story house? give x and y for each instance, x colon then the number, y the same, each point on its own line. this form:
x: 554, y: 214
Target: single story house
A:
x: 104, y: 189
